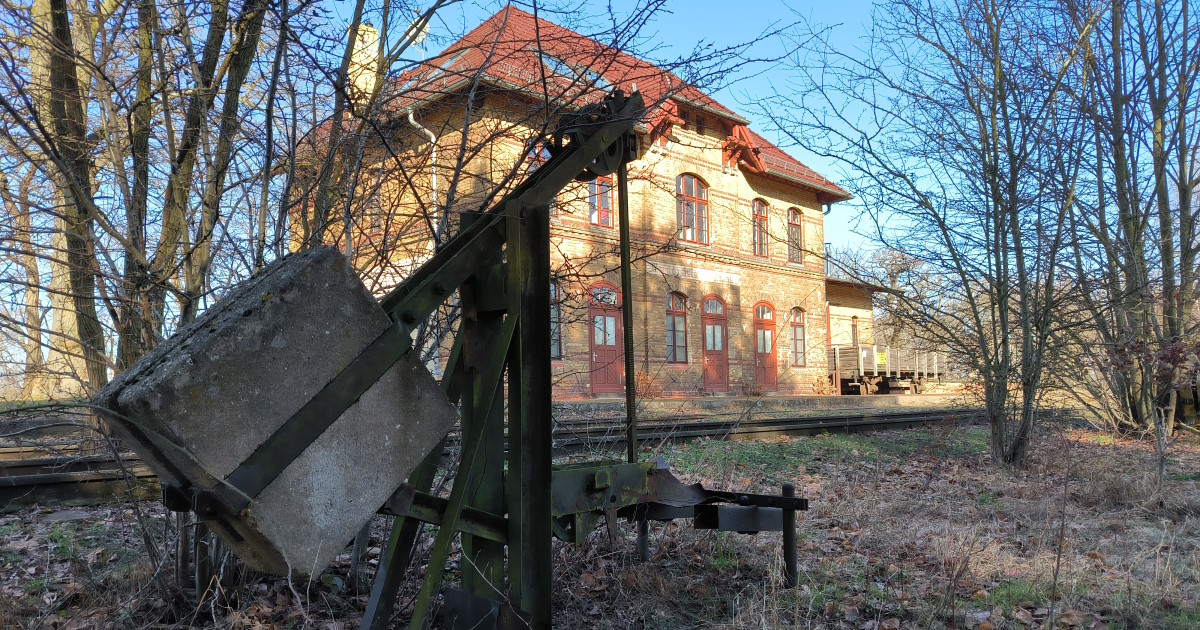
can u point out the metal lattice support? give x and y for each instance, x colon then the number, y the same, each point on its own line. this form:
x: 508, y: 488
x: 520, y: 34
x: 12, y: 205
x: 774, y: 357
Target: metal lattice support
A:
x: 505, y: 332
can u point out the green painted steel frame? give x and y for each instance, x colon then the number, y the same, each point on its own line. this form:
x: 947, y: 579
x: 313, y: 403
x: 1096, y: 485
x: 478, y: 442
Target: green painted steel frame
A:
x: 499, y: 264
x: 505, y: 333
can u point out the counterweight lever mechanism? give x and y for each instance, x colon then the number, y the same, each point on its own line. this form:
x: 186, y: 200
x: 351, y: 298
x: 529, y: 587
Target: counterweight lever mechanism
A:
x: 286, y: 484
x: 579, y: 126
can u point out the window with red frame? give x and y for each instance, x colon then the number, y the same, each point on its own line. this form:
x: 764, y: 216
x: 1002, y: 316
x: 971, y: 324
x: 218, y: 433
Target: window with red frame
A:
x: 691, y: 196
x: 676, y: 328
x: 799, y: 337
x: 600, y: 202
x: 760, y: 227
x: 795, y: 236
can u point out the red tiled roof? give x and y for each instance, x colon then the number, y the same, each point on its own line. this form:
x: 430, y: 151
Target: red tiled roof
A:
x: 780, y: 163
x: 505, y: 48
x: 503, y: 51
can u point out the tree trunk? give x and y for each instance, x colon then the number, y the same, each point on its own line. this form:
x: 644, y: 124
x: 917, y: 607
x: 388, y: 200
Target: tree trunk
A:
x: 134, y: 324
x: 34, y: 385
x: 198, y: 260
x: 68, y: 130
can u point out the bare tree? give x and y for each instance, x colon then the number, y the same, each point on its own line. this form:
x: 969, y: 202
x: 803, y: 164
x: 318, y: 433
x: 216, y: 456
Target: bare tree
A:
x: 156, y: 124
x: 949, y: 127
x: 1136, y: 262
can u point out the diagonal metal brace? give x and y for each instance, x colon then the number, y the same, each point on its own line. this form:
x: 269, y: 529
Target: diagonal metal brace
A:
x: 298, y: 432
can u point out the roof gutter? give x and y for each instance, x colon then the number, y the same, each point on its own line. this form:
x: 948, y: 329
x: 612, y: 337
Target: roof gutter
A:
x: 712, y: 110
x: 832, y: 194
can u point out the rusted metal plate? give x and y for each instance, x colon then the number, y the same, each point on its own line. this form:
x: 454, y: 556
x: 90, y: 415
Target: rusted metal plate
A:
x: 738, y: 518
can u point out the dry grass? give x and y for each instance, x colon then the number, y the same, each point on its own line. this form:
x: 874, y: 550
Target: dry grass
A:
x: 917, y: 529
x: 908, y: 529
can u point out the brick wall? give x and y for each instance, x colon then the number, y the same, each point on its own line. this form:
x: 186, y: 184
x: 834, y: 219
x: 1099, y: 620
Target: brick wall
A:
x: 583, y: 254
x: 725, y: 267
x: 847, y: 302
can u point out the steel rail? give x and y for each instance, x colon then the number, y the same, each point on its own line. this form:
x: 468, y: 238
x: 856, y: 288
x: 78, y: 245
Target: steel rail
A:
x: 73, y: 479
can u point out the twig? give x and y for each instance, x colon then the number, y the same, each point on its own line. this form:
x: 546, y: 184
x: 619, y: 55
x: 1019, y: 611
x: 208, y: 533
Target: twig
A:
x: 1062, y: 528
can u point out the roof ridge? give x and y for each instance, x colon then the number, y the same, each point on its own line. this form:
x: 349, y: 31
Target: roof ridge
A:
x: 501, y: 50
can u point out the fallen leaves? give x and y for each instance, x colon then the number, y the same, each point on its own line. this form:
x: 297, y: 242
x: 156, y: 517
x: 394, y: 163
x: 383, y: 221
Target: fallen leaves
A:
x: 593, y: 582
x: 870, y: 560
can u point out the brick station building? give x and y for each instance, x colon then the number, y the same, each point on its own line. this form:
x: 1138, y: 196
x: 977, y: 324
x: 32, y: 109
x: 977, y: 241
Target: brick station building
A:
x: 729, y: 286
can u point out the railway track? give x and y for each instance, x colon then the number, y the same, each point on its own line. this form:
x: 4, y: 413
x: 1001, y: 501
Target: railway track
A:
x: 73, y: 480
x: 39, y: 451
x: 573, y: 435
x: 69, y: 477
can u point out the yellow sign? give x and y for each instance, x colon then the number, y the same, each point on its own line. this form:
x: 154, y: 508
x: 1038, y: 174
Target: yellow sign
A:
x: 881, y: 358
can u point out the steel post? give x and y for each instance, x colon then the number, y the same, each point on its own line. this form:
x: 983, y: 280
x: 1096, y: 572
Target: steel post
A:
x: 627, y: 316
x: 790, y: 571
x: 631, y: 439
x: 483, y: 313
x: 530, y: 411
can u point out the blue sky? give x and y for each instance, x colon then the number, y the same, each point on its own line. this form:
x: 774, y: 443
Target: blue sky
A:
x: 686, y: 23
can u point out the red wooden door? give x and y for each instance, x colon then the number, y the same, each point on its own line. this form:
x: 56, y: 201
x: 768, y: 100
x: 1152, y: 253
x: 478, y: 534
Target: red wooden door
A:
x: 766, y: 372
x: 716, y: 347
x: 608, y: 355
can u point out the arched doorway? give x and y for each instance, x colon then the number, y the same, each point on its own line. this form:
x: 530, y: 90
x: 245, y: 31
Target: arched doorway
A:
x: 716, y: 348
x: 766, y: 373
x: 608, y: 352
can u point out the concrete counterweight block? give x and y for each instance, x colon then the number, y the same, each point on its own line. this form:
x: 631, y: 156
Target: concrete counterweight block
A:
x: 206, y: 398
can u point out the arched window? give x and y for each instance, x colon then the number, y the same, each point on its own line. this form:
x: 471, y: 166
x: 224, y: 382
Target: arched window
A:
x: 676, y: 328
x: 714, y: 351
x: 799, y: 337
x: 605, y: 294
x: 854, y: 330
x: 759, y: 228
x: 600, y: 202
x: 691, y: 196
x: 795, y: 236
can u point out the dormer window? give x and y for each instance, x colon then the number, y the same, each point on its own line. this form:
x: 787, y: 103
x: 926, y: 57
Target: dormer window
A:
x: 538, y: 155
x: 575, y: 74
x: 446, y: 66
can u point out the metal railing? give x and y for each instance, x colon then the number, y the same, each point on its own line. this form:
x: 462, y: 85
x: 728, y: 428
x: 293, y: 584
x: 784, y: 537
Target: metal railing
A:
x: 862, y: 360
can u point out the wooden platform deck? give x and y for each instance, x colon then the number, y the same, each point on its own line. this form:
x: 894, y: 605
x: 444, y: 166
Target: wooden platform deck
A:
x: 875, y: 369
